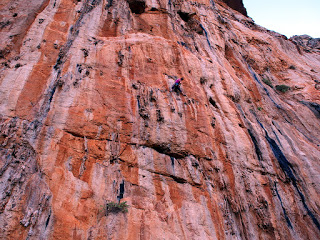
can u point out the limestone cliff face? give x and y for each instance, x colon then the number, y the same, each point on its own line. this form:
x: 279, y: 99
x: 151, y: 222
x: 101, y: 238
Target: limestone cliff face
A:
x: 87, y: 117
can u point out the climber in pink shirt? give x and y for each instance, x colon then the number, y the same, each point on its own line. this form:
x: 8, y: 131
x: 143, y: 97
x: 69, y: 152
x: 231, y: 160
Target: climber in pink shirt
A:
x: 176, y: 85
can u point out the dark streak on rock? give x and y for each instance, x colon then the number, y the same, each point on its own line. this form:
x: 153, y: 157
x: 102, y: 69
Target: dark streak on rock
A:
x: 206, y: 33
x: 172, y: 161
x: 283, y: 209
x: 213, y: 102
x: 314, y: 107
x: 121, y: 191
x: 285, y: 165
x: 48, y: 219
x: 287, y: 168
x: 256, y: 145
x: 265, y: 89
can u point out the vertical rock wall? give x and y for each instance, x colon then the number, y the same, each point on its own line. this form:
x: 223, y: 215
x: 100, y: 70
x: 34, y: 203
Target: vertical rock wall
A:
x: 87, y: 117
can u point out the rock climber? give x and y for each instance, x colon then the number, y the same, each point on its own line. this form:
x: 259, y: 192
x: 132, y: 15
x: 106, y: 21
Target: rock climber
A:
x: 176, y: 85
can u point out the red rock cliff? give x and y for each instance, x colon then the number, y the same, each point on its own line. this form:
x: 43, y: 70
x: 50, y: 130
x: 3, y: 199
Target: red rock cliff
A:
x: 236, y: 5
x: 88, y: 118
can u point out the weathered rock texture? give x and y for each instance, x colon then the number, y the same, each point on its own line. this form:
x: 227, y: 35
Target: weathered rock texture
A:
x: 87, y: 117
x: 307, y: 43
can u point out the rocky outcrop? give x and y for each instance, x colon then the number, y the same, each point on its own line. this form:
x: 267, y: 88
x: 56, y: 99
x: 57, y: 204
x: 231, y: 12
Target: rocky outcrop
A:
x: 236, y: 5
x: 306, y: 42
x: 88, y: 120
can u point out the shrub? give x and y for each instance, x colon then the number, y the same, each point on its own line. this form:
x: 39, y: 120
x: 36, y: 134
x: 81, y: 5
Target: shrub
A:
x: 282, y: 88
x: 268, y: 82
x: 113, y: 207
x: 259, y: 108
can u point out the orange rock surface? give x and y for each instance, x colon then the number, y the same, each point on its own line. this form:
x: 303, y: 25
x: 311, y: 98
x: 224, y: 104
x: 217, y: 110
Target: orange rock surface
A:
x: 87, y: 117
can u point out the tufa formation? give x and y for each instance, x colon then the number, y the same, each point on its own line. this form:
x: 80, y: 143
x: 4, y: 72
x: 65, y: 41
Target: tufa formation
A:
x: 95, y: 145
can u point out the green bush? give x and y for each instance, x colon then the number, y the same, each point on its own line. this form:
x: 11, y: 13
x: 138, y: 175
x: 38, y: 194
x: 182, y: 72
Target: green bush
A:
x: 268, y: 82
x: 113, y: 207
x: 282, y: 88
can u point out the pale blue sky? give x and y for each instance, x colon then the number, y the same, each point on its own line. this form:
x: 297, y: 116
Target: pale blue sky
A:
x: 288, y: 17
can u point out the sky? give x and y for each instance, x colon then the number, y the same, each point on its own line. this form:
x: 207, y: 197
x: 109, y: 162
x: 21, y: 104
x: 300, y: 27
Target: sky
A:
x: 288, y: 17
